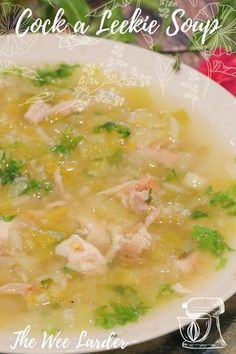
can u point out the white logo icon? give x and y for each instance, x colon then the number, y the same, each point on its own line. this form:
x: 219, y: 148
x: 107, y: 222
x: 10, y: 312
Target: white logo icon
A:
x: 201, y: 332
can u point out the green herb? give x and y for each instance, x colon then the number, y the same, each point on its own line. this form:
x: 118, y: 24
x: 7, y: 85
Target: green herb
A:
x: 222, y: 263
x: 209, y: 240
x: 70, y: 272
x: 165, y: 290
x: 9, y: 169
x: 50, y: 74
x: 170, y: 174
x: 116, y: 314
x: 113, y: 127
x: 224, y: 199
x: 197, y: 214
x: 128, y: 293
x: 46, y: 283
x: 36, y: 187
x: 68, y: 143
x: 7, y: 218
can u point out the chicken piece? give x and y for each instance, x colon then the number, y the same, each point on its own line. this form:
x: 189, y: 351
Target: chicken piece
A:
x: 134, y: 194
x: 120, y: 188
x: 5, y: 228
x: 161, y: 156
x: 38, y: 111
x: 134, y: 244
x: 188, y: 263
x: 95, y: 231
x: 59, y: 184
x: 82, y: 256
x: 67, y: 107
x: 17, y: 288
x: 154, y: 214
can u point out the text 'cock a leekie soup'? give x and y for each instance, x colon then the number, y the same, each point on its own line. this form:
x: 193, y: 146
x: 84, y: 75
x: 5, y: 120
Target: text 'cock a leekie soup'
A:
x: 110, y: 204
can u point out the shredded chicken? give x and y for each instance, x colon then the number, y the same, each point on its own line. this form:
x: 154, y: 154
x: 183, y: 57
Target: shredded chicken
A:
x: 56, y: 204
x: 153, y: 215
x: 188, y: 263
x: 130, y: 244
x: 17, y: 288
x: 82, y: 256
x: 5, y: 228
x: 134, y: 244
x: 95, y: 231
x: 161, y: 156
x: 38, y: 111
x: 59, y: 184
x: 134, y: 194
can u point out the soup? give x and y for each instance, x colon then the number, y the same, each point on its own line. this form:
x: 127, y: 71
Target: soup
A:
x: 110, y: 203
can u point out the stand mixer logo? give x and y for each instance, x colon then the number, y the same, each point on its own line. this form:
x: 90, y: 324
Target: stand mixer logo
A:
x: 203, y: 332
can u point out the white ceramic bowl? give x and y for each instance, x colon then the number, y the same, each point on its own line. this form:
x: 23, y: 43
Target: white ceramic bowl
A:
x: 211, y: 101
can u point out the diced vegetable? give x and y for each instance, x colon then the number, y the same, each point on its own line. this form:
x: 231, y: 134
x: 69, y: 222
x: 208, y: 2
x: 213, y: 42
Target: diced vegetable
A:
x: 209, y: 240
x: 113, y: 127
x: 194, y: 181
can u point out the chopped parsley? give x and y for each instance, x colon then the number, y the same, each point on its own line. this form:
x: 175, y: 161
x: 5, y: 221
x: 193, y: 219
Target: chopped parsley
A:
x: 209, y: 240
x: 224, y: 199
x: 170, y: 175
x: 127, y: 309
x: 116, y: 314
x: 116, y: 157
x: 49, y: 74
x: 222, y: 263
x: 46, y: 283
x: 197, y: 214
x: 7, y: 218
x: 165, y: 290
x: 113, y: 127
x: 36, y: 187
x: 9, y: 169
x: 68, y: 143
x: 129, y: 294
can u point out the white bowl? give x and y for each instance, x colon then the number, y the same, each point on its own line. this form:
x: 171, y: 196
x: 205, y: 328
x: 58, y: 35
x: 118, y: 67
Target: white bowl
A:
x: 211, y: 101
